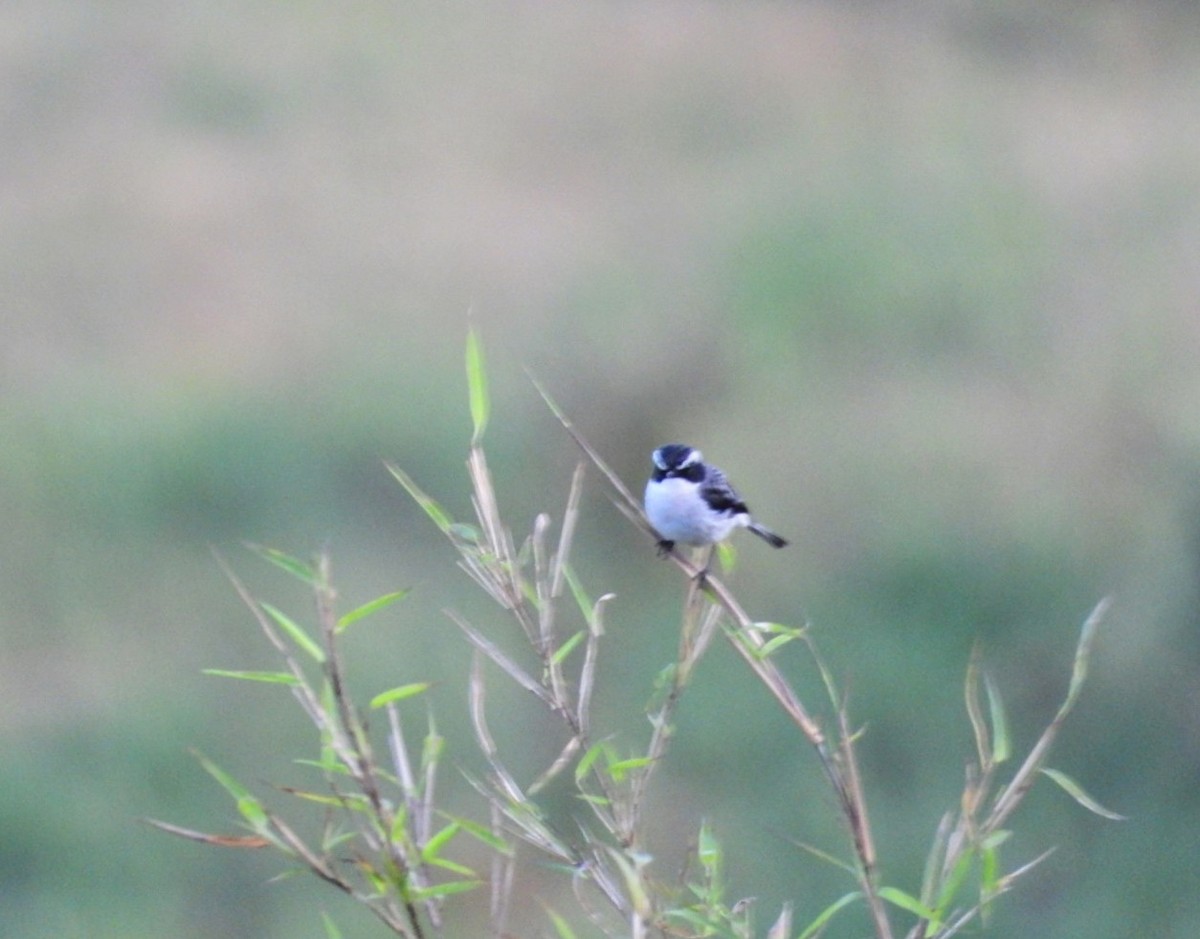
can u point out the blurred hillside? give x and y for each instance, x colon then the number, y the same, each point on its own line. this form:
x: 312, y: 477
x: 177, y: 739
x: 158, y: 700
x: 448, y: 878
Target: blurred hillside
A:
x: 922, y: 277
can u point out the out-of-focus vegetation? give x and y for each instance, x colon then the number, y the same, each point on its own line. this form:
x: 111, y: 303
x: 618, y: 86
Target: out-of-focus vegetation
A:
x: 922, y: 277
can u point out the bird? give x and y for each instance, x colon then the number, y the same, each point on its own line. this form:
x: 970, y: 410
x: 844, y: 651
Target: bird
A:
x: 690, y: 501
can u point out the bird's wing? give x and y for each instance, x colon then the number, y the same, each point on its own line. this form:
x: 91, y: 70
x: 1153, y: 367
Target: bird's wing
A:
x: 720, y: 495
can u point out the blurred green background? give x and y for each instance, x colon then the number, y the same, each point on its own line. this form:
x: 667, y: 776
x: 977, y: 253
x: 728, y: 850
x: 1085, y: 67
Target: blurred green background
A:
x: 922, y: 277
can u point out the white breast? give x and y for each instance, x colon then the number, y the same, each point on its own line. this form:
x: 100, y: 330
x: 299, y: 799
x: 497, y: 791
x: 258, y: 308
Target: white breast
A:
x: 677, y: 512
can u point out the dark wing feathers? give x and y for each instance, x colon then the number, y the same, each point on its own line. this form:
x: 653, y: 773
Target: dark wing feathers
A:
x: 720, y: 495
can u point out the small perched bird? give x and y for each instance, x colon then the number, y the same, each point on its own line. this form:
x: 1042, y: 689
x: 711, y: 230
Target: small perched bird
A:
x: 689, y: 501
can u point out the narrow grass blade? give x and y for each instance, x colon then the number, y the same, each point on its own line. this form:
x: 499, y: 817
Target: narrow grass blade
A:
x: 331, y: 930
x: 561, y: 926
x: 828, y: 858
x: 435, y: 512
x: 321, y: 798
x: 399, y: 693
x: 248, y: 806
x: 433, y: 847
x: 619, y: 769
x: 374, y: 606
x: 1083, y: 653
x: 228, y: 783
x: 302, y: 639
x: 781, y: 636
x: 1001, y: 745
x: 818, y: 924
x: 954, y: 880
x: 593, y: 455
x: 782, y: 928
x: 483, y: 834
x: 979, y: 728
x: 477, y: 386
x: 274, y: 678
x: 286, y: 562
x: 594, y: 752
x: 444, y: 890
x: 561, y: 653
x: 1010, y: 797
x: 514, y: 671
x: 220, y: 841
x: 935, y: 858
x: 453, y: 866
x: 906, y: 901
x: 1076, y: 792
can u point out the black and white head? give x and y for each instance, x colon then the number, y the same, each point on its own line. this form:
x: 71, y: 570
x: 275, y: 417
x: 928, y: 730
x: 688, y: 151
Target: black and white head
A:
x: 677, y: 460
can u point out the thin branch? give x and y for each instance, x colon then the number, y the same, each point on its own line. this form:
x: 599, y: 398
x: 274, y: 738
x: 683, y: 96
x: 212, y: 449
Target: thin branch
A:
x: 1008, y: 800
x: 567, y: 534
x: 514, y: 671
x: 749, y: 644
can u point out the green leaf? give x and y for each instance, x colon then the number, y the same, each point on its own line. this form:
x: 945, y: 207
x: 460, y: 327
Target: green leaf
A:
x: 818, y: 924
x: 253, y: 812
x: 1076, y: 792
x: 979, y: 728
x: 771, y: 645
x: 726, y: 556
x: 829, y: 858
x: 953, y: 882
x: 906, y: 901
x: 439, y: 840
x: 329, y: 762
x: 619, y: 768
x: 1001, y: 747
x: 561, y: 653
x: 708, y: 848
x: 399, y: 832
x: 1083, y: 651
x: 470, y: 534
x: 989, y: 873
x: 399, y: 693
x: 453, y: 866
x: 319, y: 797
x: 248, y: 805
x: 561, y: 926
x: 484, y: 834
x: 595, y: 751
x: 331, y: 930
x: 275, y: 678
x: 443, y: 890
x: 302, y: 639
x: 432, y: 746
x: 368, y: 608
x: 780, y: 636
x: 332, y: 841
x: 286, y: 562
x: 435, y: 512
x: 630, y: 867
x: 996, y: 838
x: 228, y: 783
x: 476, y: 386
x: 582, y: 600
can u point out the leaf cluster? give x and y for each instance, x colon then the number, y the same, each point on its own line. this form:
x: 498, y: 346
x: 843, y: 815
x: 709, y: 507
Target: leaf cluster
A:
x: 384, y: 842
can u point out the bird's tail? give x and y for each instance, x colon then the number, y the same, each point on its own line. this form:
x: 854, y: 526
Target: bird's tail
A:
x: 767, y: 535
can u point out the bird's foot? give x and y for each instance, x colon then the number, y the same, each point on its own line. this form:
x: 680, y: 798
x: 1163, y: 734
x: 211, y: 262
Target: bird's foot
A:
x: 665, y: 547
